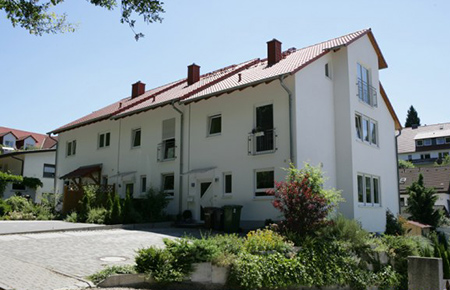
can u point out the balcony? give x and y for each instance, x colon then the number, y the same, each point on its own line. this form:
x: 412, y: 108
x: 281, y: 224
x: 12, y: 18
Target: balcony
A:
x: 262, y: 142
x: 166, y: 150
x: 367, y: 93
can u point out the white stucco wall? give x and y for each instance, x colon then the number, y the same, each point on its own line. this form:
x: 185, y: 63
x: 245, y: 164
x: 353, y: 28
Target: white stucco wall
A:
x: 314, y: 119
x: 34, y: 167
x: 228, y: 152
x: 369, y: 159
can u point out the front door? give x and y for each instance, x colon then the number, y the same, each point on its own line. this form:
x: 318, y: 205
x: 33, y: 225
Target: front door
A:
x: 205, y: 196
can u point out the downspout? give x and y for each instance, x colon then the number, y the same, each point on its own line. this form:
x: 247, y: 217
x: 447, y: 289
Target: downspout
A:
x: 398, y: 170
x: 55, y: 179
x: 291, y: 135
x: 180, y: 194
x: 118, y: 157
x: 22, y: 161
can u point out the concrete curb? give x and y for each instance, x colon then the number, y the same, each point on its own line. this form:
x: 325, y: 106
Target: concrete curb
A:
x: 98, y: 228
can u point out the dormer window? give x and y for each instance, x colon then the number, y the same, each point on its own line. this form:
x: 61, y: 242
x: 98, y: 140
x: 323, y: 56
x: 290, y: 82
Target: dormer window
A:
x: 427, y: 142
x: 419, y: 143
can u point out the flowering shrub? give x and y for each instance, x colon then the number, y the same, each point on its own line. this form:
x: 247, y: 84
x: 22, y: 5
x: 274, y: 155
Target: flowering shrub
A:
x: 303, y: 201
x: 266, y: 241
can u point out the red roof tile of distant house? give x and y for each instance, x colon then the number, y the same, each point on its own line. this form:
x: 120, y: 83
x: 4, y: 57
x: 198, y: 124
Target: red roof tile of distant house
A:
x: 225, y: 80
x: 42, y: 141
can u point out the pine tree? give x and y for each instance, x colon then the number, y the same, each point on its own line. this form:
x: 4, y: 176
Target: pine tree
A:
x: 421, y: 204
x: 412, y: 118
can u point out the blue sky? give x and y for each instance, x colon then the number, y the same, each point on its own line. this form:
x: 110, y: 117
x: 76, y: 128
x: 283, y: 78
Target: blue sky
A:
x: 48, y: 81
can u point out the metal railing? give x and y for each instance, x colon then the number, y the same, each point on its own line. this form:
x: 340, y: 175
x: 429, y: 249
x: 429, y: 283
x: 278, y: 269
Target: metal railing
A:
x: 367, y: 93
x: 261, y: 142
x: 166, y: 150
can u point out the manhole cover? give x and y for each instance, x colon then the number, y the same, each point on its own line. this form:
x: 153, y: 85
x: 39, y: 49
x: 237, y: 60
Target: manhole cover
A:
x: 113, y: 259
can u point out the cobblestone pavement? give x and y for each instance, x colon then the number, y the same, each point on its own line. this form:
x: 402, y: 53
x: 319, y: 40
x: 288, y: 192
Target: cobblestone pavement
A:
x: 62, y: 260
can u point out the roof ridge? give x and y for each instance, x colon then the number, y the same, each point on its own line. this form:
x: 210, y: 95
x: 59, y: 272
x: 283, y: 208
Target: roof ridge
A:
x: 225, y: 76
x: 175, y: 84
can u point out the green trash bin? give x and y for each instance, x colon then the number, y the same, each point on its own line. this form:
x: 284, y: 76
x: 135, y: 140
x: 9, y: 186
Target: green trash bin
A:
x: 231, y: 218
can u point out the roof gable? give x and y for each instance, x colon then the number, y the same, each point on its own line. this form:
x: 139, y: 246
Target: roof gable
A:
x: 22, y: 135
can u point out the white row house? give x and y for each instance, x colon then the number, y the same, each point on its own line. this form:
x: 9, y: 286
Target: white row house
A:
x: 224, y: 137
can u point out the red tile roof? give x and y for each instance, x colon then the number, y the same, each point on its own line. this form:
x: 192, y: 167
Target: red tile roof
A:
x: 42, y: 141
x: 224, y: 80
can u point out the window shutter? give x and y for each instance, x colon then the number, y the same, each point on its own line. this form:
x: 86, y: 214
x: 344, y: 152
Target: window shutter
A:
x: 168, y: 129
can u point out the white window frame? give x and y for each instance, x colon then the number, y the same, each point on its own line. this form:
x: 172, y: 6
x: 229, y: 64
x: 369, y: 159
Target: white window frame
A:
x: 210, y: 118
x: 47, y: 173
x: 419, y: 143
x: 143, y: 184
x: 170, y: 193
x: 262, y: 190
x: 105, y: 134
x: 366, y: 120
x: 427, y: 142
x: 133, y: 137
x: 424, y: 156
x: 327, y: 68
x: 225, y: 174
x: 365, y: 84
x: 440, y: 141
x: 71, y: 148
x: 364, y: 201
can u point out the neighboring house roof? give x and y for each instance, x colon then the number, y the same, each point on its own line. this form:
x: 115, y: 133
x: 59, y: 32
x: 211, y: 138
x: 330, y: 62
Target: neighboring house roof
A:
x: 25, y: 137
x: 228, y: 79
x: 6, y: 133
x: 406, y: 141
x: 42, y: 141
x: 436, y: 177
x: 25, y: 152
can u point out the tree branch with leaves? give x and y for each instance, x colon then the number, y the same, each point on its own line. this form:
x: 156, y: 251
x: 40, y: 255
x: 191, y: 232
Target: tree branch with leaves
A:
x: 37, y: 16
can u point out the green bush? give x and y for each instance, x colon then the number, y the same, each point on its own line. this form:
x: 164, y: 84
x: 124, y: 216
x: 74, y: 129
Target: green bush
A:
x: 153, y: 205
x: 159, y: 263
x: 129, y: 213
x: 19, y: 204
x: 393, y: 225
x: 351, y: 236
x: 96, y: 216
x: 111, y: 270
x: 115, y: 215
x: 398, y: 248
x: 266, y: 241
x: 4, y: 208
x: 72, y: 217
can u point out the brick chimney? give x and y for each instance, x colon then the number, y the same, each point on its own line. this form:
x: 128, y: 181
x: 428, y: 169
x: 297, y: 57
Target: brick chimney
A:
x: 137, y: 89
x: 273, y: 52
x: 193, y: 74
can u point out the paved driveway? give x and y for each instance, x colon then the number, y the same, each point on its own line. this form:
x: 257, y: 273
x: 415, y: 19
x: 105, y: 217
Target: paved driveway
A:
x: 62, y: 260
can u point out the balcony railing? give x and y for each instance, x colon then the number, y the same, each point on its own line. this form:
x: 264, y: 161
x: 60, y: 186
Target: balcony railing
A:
x: 166, y: 150
x: 261, y: 142
x: 367, y: 93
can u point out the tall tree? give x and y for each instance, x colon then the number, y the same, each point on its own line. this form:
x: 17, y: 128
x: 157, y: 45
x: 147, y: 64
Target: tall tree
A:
x: 37, y: 17
x: 421, y: 203
x: 412, y: 117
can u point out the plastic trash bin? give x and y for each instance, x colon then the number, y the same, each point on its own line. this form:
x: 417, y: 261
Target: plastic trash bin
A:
x: 208, y: 217
x: 231, y: 218
x: 218, y: 219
